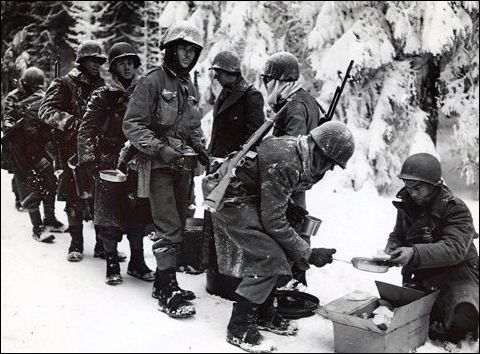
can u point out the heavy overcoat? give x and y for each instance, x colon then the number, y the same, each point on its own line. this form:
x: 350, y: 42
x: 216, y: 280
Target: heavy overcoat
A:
x: 237, y: 114
x: 100, y: 139
x: 252, y: 235
x: 63, y: 108
x: 300, y: 117
x: 444, y: 254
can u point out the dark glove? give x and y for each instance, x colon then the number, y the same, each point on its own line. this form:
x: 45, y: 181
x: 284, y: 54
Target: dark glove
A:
x: 321, y: 256
x: 204, y: 157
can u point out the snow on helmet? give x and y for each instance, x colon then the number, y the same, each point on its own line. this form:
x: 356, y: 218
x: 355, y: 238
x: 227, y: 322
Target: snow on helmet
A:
x: 226, y: 61
x: 184, y: 31
x: 422, y: 167
x: 90, y: 49
x: 335, y: 141
x: 33, y: 77
x: 282, y: 66
x: 122, y: 50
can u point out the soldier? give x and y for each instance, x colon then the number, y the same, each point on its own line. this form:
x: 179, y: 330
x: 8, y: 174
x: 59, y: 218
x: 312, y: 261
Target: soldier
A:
x: 254, y: 239
x: 63, y: 107
x: 280, y: 76
x: 117, y: 209
x: 433, y: 241
x: 238, y: 110
x: 26, y: 139
x: 163, y: 122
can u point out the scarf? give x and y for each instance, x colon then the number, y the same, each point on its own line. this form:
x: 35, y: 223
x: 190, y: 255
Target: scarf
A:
x: 279, y: 91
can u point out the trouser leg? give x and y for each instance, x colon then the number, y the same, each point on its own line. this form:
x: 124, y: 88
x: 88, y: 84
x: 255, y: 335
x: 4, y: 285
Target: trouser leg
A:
x: 465, y: 321
x: 256, y: 290
x: 169, y: 202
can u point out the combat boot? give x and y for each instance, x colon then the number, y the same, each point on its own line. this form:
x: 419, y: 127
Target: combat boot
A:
x: 186, y: 294
x: 270, y: 320
x: 136, y: 266
x: 113, y: 269
x: 242, y: 329
x: 170, y: 299
x: 38, y: 230
x: 50, y: 221
x: 75, y: 251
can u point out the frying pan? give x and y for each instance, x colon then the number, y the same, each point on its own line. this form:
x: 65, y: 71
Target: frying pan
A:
x: 369, y: 264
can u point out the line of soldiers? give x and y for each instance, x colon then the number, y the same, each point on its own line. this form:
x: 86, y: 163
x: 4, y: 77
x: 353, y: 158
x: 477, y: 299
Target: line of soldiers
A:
x: 149, y: 128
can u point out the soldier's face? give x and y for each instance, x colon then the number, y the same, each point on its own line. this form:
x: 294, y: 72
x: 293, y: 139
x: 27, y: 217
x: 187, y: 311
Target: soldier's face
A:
x: 224, y: 78
x: 125, y: 68
x: 186, y: 54
x: 420, y: 192
x: 91, y: 66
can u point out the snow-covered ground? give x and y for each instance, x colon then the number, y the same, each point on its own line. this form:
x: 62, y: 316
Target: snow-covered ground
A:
x: 51, y: 305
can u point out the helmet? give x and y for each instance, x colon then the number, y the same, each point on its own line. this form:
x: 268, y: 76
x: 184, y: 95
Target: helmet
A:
x: 182, y: 30
x: 422, y: 167
x: 90, y: 49
x: 33, y: 77
x: 282, y: 66
x: 335, y: 141
x: 122, y: 50
x: 226, y: 61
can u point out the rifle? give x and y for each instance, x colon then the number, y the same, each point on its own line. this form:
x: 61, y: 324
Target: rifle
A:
x: 57, y: 159
x: 336, y: 96
x: 225, y: 173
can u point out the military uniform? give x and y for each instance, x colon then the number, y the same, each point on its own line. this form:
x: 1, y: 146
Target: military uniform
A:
x: 445, y: 257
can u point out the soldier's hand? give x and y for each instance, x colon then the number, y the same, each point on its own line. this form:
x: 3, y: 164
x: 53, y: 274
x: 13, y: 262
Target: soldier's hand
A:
x: 402, y: 255
x: 204, y: 157
x: 321, y: 256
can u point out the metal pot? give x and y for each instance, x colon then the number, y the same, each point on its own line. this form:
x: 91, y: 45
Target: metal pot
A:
x: 189, y: 161
x: 310, y: 225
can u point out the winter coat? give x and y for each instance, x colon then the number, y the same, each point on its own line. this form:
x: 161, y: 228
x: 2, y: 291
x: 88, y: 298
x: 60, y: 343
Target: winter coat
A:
x: 237, y: 114
x: 163, y: 117
x: 25, y: 135
x: 100, y: 139
x: 300, y: 117
x: 63, y: 108
x: 444, y: 255
x: 252, y: 235
x: 24, y: 148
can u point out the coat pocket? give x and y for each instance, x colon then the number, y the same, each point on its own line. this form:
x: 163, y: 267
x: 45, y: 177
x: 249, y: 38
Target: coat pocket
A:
x: 167, y: 108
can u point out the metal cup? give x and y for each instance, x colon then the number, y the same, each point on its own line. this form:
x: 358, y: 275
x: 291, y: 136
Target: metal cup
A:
x: 190, y: 161
x: 310, y: 225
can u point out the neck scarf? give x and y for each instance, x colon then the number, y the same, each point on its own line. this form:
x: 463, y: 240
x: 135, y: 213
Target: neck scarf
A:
x: 279, y: 91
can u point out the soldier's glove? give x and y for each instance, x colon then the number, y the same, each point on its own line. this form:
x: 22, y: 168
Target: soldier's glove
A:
x: 321, y: 256
x: 204, y: 157
x: 402, y: 256
x: 168, y: 154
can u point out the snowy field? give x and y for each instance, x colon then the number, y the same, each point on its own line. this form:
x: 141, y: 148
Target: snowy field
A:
x: 51, y: 305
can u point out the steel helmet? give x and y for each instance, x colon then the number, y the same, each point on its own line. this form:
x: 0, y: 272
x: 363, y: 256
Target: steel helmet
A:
x: 184, y: 31
x: 90, y: 49
x: 122, y: 50
x: 422, y: 167
x: 226, y: 61
x: 282, y: 66
x: 33, y: 77
x: 335, y: 141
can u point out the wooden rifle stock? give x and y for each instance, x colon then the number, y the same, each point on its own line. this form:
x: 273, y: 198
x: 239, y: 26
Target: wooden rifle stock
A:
x: 214, y: 198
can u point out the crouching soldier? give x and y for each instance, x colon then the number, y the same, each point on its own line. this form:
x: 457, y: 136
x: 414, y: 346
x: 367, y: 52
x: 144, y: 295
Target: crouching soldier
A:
x: 27, y: 138
x: 432, y: 240
x: 253, y: 238
x: 117, y: 209
x: 163, y: 122
x: 63, y: 107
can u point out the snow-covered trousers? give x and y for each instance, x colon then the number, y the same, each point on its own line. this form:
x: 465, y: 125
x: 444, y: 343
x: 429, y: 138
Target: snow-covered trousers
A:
x: 256, y: 289
x: 169, y: 192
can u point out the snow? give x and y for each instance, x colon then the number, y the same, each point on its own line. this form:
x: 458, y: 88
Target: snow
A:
x: 51, y: 305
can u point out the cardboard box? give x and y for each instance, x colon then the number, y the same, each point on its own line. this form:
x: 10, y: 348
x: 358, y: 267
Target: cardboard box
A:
x: 408, y: 329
